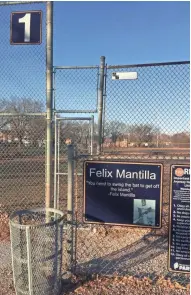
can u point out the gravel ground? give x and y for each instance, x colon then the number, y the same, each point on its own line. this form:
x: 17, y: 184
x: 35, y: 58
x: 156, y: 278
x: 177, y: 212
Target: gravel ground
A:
x: 135, y: 259
x: 126, y: 285
x: 5, y: 250
x: 107, y: 286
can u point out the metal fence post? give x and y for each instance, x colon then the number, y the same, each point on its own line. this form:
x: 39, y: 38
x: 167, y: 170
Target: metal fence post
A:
x: 92, y: 135
x: 58, y: 167
x: 100, y: 102
x: 49, y: 106
x: 55, y: 161
x: 70, y: 205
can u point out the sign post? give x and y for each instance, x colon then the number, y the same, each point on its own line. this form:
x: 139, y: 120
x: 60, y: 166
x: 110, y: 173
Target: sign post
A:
x: 123, y: 193
x: 179, y: 219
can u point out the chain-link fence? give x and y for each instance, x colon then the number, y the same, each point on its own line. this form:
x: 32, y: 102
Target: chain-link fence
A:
x: 144, y: 120
x: 75, y: 114
x: 116, y: 250
x: 75, y: 130
x: 147, y: 121
x: 152, y: 110
x: 79, y: 99
x: 22, y: 127
x: 22, y: 115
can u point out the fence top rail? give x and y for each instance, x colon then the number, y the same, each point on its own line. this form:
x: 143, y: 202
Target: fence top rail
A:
x: 21, y: 114
x: 4, y: 3
x: 75, y: 111
x: 74, y: 119
x: 122, y: 66
x: 148, y: 65
x: 75, y: 67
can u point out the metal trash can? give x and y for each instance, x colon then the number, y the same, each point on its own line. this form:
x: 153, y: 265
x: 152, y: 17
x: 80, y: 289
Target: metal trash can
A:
x: 36, y: 246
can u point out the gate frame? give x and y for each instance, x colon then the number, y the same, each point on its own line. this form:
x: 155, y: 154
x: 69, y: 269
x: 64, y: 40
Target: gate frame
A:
x: 57, y: 172
x: 101, y: 94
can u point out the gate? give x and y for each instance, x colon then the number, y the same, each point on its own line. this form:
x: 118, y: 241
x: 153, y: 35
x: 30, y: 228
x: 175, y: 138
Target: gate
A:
x: 78, y: 93
x: 69, y: 130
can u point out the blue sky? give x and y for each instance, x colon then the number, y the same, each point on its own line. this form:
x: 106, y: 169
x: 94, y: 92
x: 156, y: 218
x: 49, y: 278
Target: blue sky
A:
x: 124, y: 32
x: 127, y: 33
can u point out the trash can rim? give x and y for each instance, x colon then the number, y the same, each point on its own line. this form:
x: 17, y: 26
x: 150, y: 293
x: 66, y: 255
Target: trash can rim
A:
x: 36, y: 210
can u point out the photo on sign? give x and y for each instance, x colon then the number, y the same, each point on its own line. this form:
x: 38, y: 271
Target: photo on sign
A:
x: 144, y: 212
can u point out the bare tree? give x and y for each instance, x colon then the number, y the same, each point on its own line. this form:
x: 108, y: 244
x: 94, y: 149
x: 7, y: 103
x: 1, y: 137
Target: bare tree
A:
x: 181, y: 139
x: 141, y: 133
x: 21, y: 127
x: 36, y: 130
x: 115, y: 130
x: 76, y: 131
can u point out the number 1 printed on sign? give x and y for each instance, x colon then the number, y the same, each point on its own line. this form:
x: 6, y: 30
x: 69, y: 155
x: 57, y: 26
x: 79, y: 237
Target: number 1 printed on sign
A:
x: 27, y: 21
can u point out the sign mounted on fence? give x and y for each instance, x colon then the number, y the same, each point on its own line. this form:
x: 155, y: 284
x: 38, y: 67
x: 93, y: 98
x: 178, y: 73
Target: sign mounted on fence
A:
x: 179, y: 219
x: 123, y: 193
x: 26, y: 28
x: 124, y: 76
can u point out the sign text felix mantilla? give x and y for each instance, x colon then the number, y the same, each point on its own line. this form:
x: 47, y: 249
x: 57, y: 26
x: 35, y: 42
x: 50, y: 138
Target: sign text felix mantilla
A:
x: 123, y: 193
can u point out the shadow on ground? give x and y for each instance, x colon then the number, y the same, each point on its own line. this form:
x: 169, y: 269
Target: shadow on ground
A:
x: 144, y: 258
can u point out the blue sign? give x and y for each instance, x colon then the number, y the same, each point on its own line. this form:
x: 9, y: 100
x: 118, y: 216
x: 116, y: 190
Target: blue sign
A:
x: 26, y: 27
x: 123, y: 193
x: 179, y: 220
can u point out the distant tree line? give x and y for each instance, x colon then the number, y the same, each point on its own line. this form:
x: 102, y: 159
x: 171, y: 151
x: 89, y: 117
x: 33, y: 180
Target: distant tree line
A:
x: 139, y: 133
x: 118, y: 131
x: 32, y: 129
